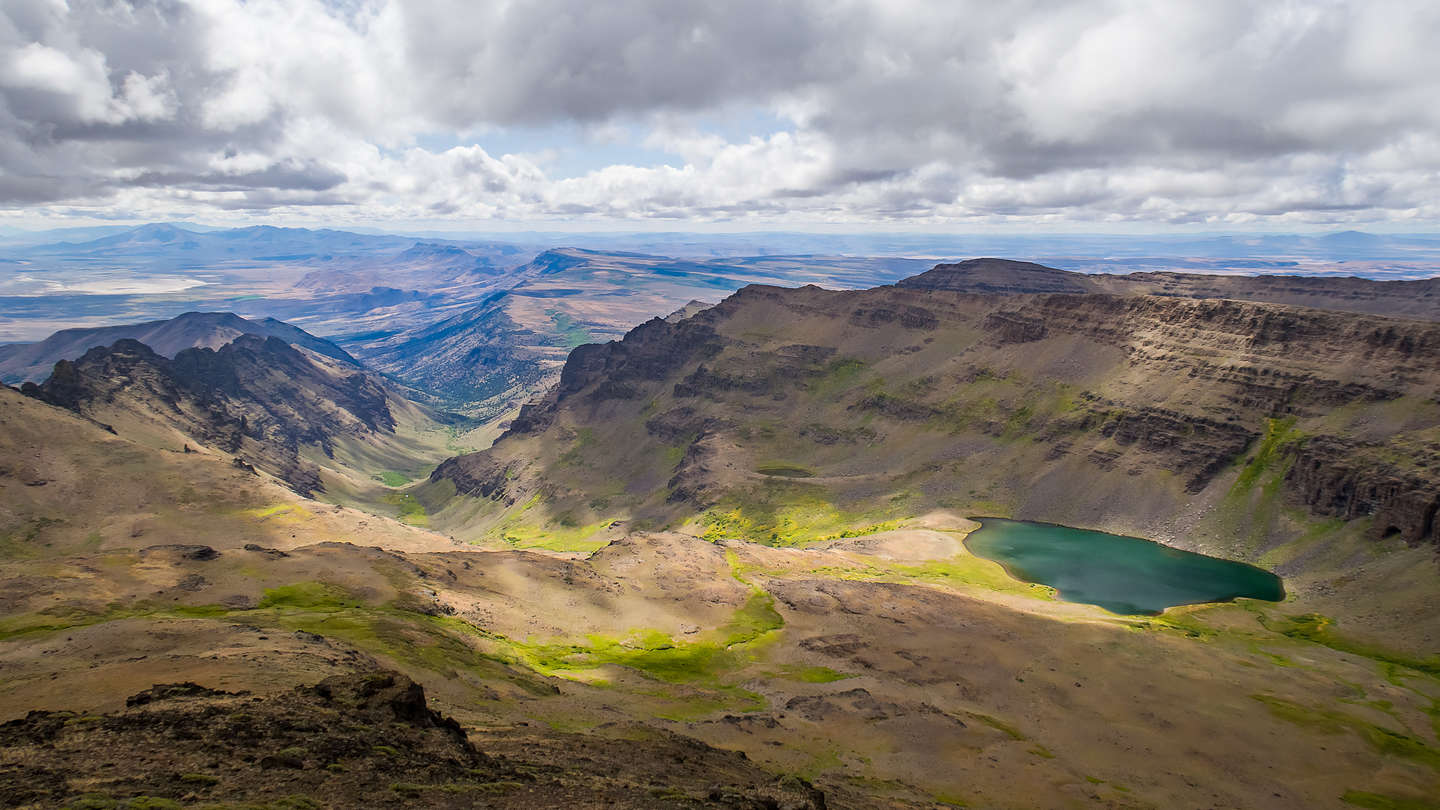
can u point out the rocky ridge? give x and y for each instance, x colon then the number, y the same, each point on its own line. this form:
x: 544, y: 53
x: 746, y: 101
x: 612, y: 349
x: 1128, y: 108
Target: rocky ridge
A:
x: 366, y: 739
x: 1410, y: 298
x: 257, y: 398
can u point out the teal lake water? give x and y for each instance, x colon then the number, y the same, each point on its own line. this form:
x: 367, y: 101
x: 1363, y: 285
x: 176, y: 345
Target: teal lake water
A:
x: 1120, y: 574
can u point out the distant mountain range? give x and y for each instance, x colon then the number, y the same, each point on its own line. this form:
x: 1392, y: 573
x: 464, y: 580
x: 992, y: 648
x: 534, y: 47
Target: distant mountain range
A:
x: 246, y: 242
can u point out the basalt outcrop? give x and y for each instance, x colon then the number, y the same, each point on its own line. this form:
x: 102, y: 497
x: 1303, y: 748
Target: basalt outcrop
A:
x: 1353, y: 480
x: 257, y: 398
x: 367, y: 739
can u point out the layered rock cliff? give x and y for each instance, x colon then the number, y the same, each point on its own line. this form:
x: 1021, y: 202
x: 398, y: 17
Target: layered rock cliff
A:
x: 1408, y: 298
x: 1149, y: 414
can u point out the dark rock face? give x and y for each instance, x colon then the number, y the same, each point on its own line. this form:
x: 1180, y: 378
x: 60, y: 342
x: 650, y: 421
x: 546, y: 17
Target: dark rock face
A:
x: 231, y: 746
x: 683, y: 425
x: 910, y: 317
x: 649, y: 352
x: 1198, y: 447
x: 180, y: 551
x: 770, y: 374
x: 171, y: 691
x: 257, y: 397
x: 1341, y: 478
x: 476, y: 474
x: 691, y: 481
x: 1009, y: 327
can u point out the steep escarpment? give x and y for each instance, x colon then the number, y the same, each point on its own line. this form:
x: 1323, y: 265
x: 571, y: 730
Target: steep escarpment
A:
x: 789, y: 415
x: 1406, y: 298
x: 257, y: 398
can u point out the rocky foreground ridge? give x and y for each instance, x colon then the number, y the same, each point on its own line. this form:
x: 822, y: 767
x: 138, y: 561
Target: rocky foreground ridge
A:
x: 1067, y: 407
x: 361, y: 740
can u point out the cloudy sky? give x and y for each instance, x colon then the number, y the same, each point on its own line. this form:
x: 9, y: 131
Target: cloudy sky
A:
x: 860, y: 114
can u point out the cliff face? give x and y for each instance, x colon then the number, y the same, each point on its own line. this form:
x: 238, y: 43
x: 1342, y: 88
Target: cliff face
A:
x: 1411, y: 299
x: 257, y: 398
x: 1158, y: 415
x: 1346, y: 479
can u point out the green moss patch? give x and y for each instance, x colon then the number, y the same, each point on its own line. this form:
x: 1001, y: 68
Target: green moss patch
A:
x: 785, y: 470
x: 569, y: 332
x: 1274, y: 454
x: 658, y: 656
x: 1385, y: 741
x: 391, y: 478
x: 1318, y: 629
x: 1378, y: 801
x: 789, y: 513
x: 813, y: 674
x: 308, y: 596
x: 408, y: 508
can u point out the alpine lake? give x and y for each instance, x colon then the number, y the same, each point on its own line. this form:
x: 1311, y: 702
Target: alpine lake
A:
x: 1126, y: 575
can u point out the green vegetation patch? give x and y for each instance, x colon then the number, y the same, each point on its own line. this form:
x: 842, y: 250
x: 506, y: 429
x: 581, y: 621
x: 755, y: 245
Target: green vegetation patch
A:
x: 199, y: 779
x: 409, y: 509
x: 813, y: 674
x: 839, y: 374
x: 570, y: 332
x: 1274, y: 454
x: 789, y: 513
x: 658, y: 656
x: 23, y: 542
x: 308, y: 596
x: 527, y: 528
x: 785, y: 470
x: 100, y: 801
x: 1318, y: 629
x: 1378, y: 801
x: 54, y: 620
x: 391, y: 478
x: 557, y: 537
x: 1383, y: 740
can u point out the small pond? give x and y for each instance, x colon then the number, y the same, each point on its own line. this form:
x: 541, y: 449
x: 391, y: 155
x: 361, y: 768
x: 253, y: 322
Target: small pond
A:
x: 1120, y: 574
